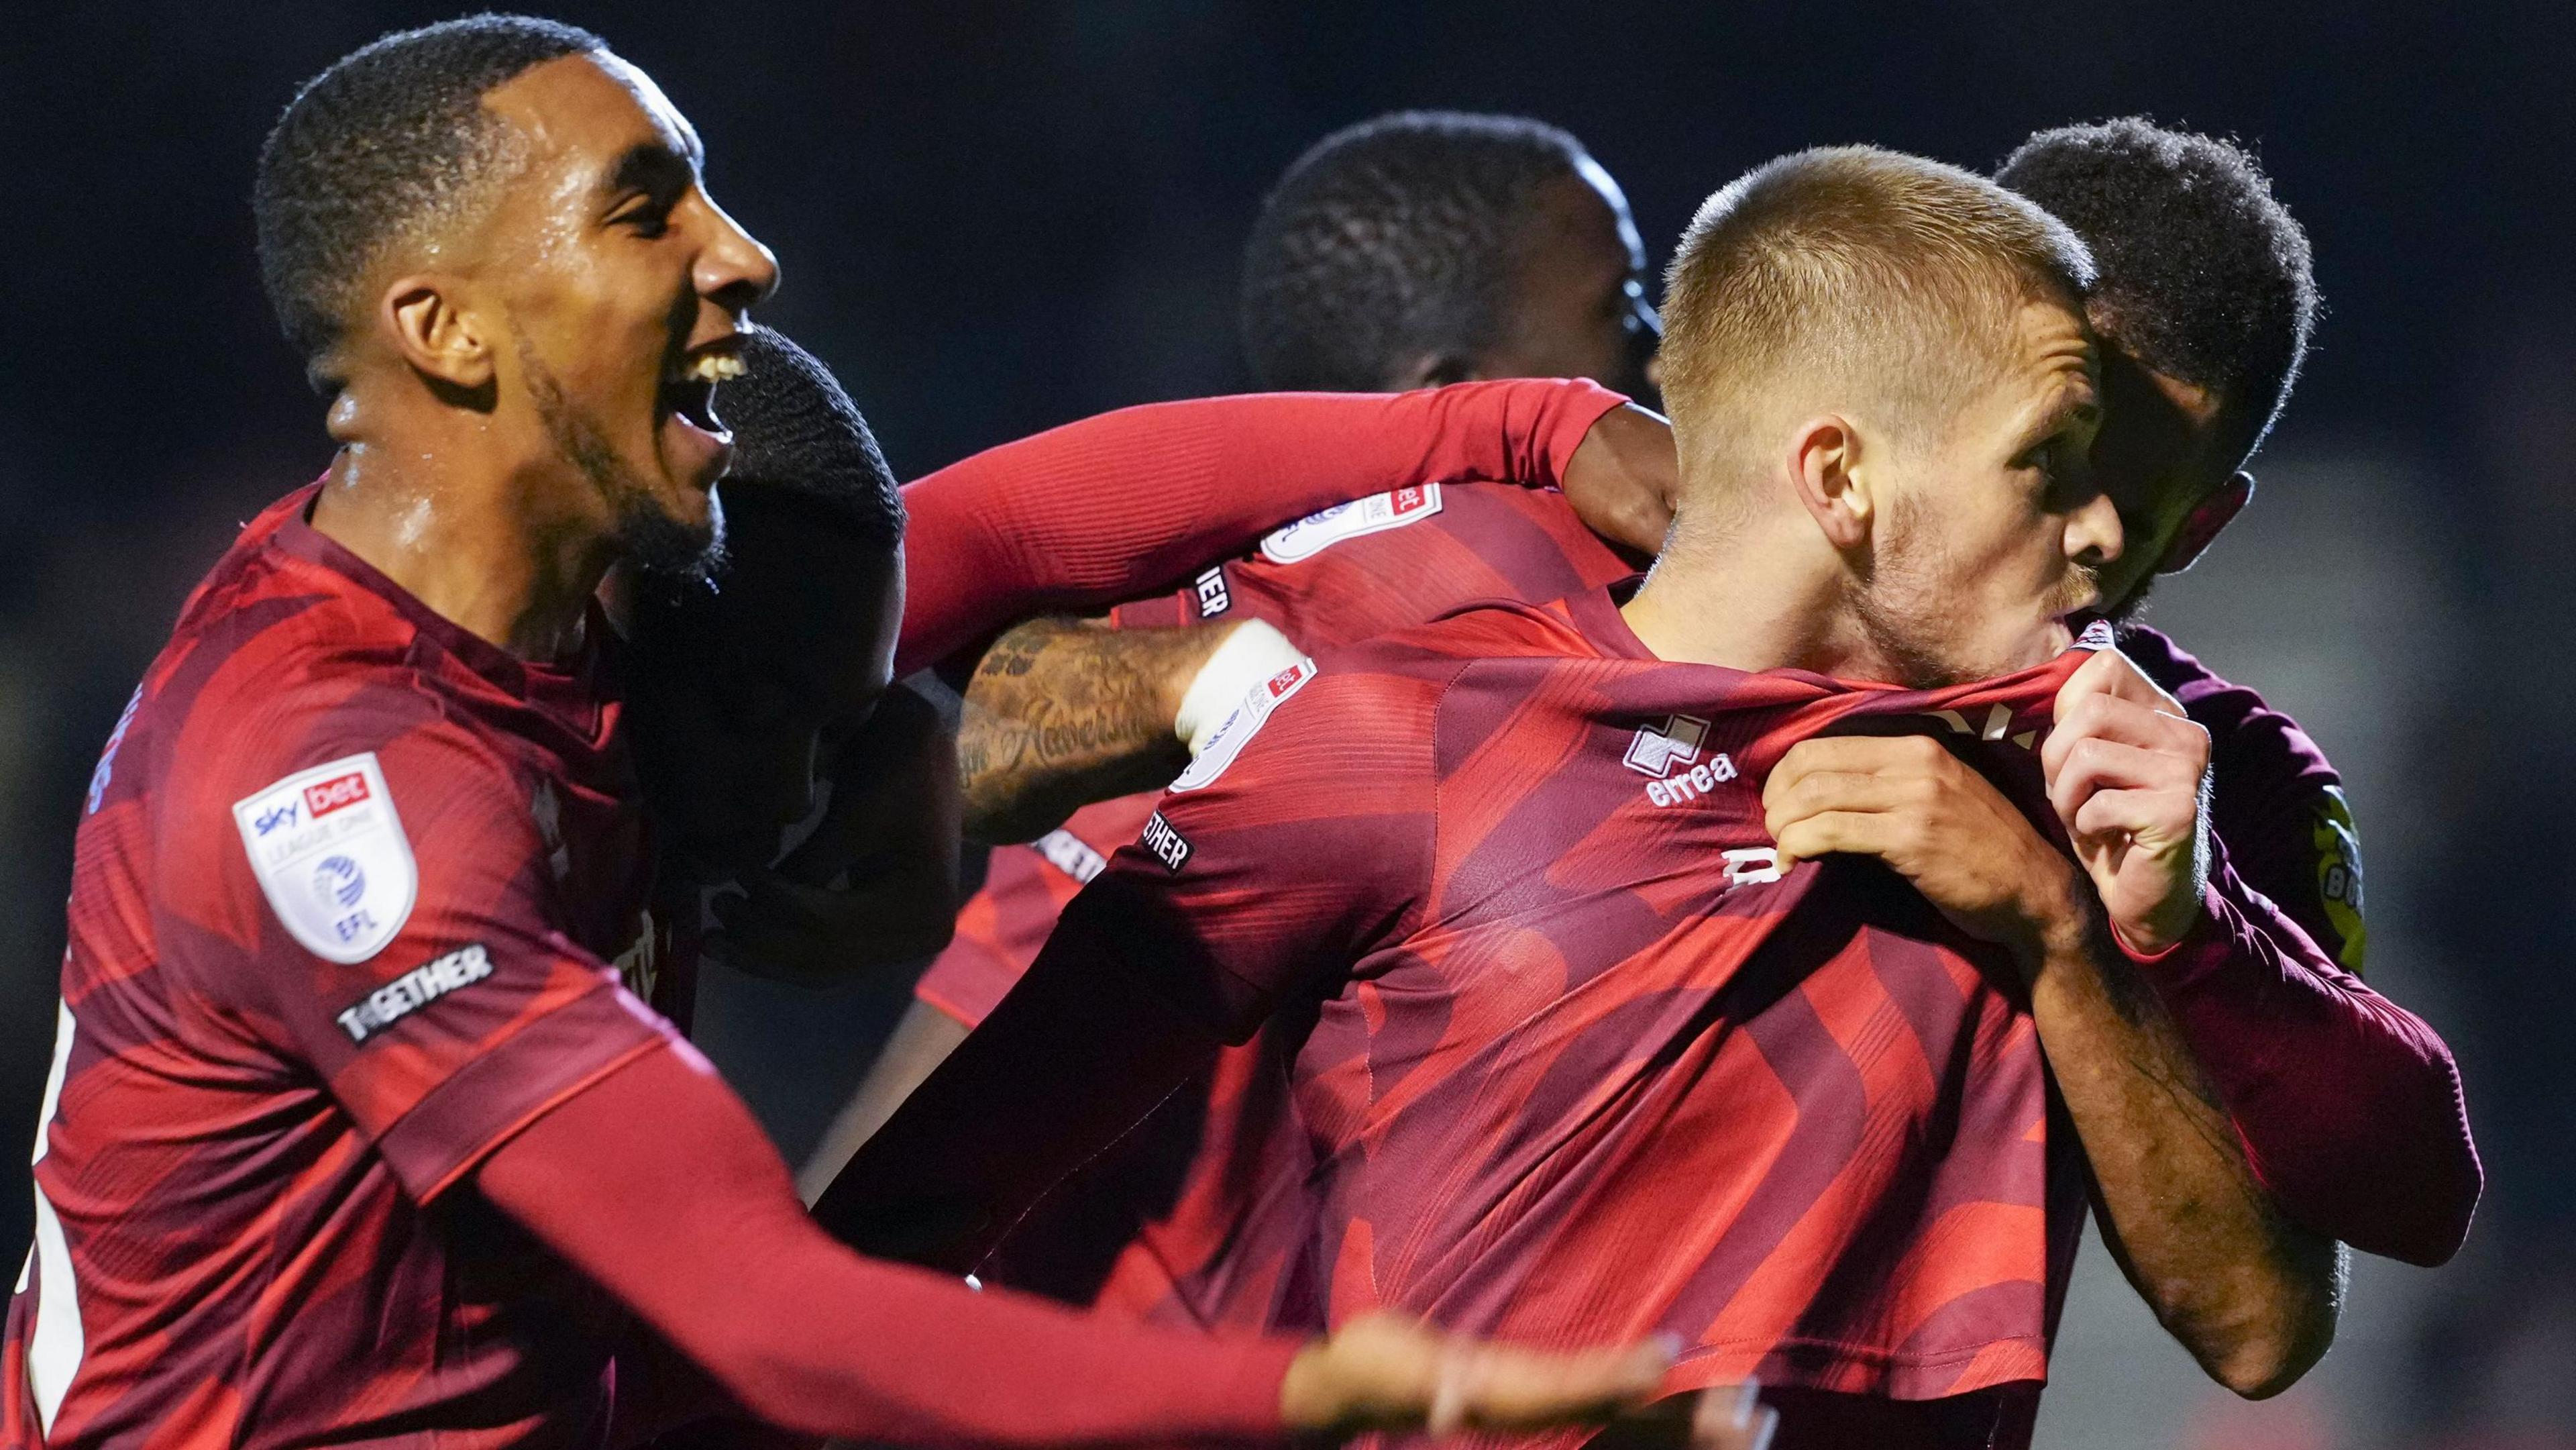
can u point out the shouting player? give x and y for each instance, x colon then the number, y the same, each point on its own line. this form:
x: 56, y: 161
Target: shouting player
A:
x: 2203, y: 304
x: 1527, y: 1087
x: 352, y: 1134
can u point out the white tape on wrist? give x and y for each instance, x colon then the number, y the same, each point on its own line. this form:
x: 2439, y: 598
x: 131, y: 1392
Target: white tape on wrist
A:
x: 1253, y: 653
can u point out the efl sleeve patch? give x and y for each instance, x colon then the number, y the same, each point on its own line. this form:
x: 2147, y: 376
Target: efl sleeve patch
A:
x: 1376, y: 513
x: 1237, y: 729
x: 331, y: 857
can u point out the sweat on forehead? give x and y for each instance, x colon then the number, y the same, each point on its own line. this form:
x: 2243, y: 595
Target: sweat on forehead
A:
x: 389, y: 143
x: 1854, y: 277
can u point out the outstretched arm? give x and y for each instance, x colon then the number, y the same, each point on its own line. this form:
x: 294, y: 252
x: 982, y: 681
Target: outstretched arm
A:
x: 1116, y: 506
x: 656, y: 1182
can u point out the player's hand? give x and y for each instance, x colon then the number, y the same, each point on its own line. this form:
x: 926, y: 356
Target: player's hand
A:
x: 876, y: 883
x: 1908, y: 801
x: 1623, y: 476
x: 2128, y: 773
x: 1385, y: 1371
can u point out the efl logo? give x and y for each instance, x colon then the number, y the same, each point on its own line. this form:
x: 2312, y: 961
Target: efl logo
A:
x: 324, y: 797
x: 1168, y: 845
x: 1213, y: 599
x: 1659, y: 752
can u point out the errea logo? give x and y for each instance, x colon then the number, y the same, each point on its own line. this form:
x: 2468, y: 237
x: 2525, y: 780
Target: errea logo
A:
x: 1656, y: 751
x: 1671, y: 753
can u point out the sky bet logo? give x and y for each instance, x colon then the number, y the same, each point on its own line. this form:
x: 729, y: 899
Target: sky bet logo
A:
x: 324, y: 797
x: 319, y: 799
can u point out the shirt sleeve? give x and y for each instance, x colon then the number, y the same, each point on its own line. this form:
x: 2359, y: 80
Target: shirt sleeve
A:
x: 1119, y: 505
x: 1294, y: 845
x: 2280, y: 804
x: 657, y: 1184
x: 395, y: 926
x: 2336, y: 1092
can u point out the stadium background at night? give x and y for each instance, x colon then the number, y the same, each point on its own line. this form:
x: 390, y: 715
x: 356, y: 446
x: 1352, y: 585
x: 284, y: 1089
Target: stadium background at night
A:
x: 996, y: 217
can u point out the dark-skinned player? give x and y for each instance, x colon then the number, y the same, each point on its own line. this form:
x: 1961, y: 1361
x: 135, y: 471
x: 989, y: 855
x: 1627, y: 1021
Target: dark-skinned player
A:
x: 2203, y: 306
x: 1499, y: 875
x: 354, y: 1136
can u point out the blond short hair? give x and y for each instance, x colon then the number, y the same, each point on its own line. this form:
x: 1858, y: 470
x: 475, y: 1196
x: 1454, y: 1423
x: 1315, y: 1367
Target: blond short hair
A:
x: 1872, y: 278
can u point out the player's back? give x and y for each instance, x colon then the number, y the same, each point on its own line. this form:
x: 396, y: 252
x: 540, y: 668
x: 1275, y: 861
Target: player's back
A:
x: 302, y: 994
x: 1349, y: 573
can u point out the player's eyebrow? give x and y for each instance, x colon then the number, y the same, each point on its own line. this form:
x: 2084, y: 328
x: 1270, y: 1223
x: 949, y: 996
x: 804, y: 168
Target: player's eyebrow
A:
x: 2075, y: 401
x: 651, y: 167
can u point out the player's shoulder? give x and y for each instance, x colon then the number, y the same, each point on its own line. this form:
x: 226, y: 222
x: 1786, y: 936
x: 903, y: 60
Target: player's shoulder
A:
x: 279, y: 667
x: 1372, y: 710
x: 1474, y: 630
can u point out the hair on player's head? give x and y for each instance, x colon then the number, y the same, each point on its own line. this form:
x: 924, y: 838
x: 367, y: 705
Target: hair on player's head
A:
x: 2205, y: 275
x: 1864, y: 278
x: 1391, y: 240
x: 381, y: 149
x: 797, y: 432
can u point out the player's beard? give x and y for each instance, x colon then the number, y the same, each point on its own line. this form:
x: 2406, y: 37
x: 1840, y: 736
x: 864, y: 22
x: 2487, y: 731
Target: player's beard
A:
x: 647, y: 535
x: 1905, y: 618
x: 1896, y: 608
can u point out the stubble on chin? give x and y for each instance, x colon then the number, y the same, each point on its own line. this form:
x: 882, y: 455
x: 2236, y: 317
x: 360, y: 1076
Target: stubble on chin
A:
x: 647, y: 533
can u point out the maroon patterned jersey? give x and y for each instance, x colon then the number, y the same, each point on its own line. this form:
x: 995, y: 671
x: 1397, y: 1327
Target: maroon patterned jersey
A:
x: 344, y: 899
x: 1563, y: 1057
x: 1349, y: 573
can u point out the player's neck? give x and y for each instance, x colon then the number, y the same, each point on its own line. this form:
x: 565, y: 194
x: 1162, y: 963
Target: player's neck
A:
x: 454, y: 530
x: 1754, y: 599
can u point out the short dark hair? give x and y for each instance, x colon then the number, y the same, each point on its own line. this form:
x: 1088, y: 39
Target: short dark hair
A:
x: 1389, y: 239
x: 2204, y: 274
x: 797, y: 432
x: 391, y: 139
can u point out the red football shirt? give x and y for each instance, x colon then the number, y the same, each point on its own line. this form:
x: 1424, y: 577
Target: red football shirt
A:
x: 345, y: 895
x: 1566, y: 1060
x: 1351, y: 572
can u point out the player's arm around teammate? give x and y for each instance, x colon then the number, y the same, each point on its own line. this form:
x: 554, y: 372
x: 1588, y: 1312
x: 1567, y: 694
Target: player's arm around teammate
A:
x: 1062, y: 713
x: 2250, y: 1294
x: 1115, y: 506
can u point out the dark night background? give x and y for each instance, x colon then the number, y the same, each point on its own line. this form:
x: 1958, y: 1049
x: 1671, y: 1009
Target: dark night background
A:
x: 996, y: 217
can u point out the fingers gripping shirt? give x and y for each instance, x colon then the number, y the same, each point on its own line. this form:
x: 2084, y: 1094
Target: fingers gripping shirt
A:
x: 1574, y: 1059
x: 340, y: 924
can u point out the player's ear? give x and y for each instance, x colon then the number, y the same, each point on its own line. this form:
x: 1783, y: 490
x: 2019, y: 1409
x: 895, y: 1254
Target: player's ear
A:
x: 438, y: 338
x: 1824, y: 468
x: 2200, y: 527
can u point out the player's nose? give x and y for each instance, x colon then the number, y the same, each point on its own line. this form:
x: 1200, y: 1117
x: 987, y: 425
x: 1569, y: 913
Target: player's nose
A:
x: 2094, y: 533
x: 734, y: 270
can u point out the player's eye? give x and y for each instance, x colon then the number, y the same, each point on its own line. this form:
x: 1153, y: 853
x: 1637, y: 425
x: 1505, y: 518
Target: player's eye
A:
x: 647, y: 217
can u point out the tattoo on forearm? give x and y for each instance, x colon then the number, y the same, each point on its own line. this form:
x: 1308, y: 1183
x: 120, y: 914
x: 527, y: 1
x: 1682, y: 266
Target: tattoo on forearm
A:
x: 1060, y: 713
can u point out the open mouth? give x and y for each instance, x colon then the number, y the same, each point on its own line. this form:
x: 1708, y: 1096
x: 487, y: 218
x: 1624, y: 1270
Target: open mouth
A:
x: 689, y: 388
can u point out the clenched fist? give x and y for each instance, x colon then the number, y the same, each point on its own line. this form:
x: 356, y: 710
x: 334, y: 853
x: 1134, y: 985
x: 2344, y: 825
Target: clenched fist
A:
x: 1908, y: 801
x: 2128, y: 773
